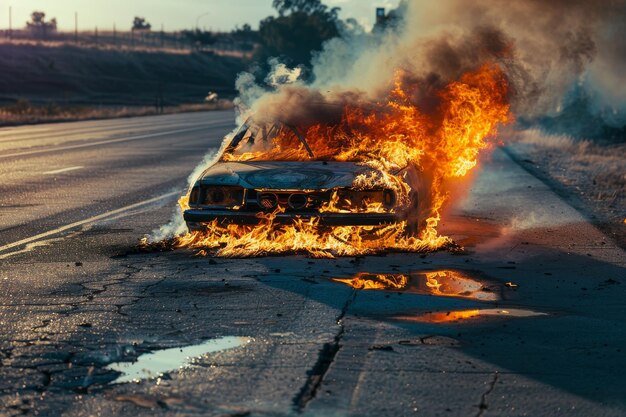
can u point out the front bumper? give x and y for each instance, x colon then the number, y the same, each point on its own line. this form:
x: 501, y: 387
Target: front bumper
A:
x: 195, y: 218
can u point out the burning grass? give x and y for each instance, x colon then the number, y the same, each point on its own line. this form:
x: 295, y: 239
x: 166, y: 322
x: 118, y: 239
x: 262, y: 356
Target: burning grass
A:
x: 388, y: 135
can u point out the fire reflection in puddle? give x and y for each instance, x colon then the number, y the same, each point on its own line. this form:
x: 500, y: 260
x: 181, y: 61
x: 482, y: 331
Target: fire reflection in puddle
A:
x: 451, y: 316
x: 443, y: 283
x: 154, y: 364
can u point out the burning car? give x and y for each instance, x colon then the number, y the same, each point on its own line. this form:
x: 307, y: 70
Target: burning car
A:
x: 271, y: 169
x: 343, y: 174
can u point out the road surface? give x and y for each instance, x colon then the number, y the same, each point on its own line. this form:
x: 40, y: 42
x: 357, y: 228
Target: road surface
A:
x: 538, y: 330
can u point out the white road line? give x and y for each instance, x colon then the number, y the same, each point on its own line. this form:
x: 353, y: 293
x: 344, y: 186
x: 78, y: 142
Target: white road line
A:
x: 21, y: 131
x: 86, y: 221
x: 58, y: 171
x: 103, y: 142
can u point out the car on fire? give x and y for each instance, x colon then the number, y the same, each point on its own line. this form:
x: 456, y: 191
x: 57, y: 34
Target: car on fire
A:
x: 241, y: 184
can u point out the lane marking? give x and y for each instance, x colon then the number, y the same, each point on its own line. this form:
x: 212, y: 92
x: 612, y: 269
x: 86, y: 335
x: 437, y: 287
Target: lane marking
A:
x: 103, y: 142
x: 19, y: 130
x: 86, y: 221
x: 58, y: 171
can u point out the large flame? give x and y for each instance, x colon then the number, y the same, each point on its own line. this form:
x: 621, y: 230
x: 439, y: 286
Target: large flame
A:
x: 387, y: 136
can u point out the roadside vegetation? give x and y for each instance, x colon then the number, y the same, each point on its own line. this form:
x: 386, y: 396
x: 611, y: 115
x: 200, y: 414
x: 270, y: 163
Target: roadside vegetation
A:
x: 589, y: 174
x: 24, y: 112
x: 49, y: 75
x: 68, y: 82
x: 55, y: 76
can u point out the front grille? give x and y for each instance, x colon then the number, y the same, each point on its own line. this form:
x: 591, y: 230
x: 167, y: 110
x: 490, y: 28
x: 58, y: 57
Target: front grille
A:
x: 289, y: 200
x: 267, y: 201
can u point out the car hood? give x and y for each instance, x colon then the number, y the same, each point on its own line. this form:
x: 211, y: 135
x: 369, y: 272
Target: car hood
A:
x: 280, y: 175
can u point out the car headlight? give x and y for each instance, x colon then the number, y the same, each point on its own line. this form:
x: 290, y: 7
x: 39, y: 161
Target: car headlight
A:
x: 365, y: 200
x: 216, y: 196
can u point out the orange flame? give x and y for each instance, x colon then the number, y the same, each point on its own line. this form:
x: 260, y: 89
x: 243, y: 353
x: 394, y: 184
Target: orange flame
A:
x: 442, y: 317
x: 387, y: 136
x: 365, y: 281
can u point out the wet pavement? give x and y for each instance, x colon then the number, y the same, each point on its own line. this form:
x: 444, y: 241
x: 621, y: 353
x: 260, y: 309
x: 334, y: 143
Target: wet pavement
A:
x: 440, y: 283
x: 528, y: 320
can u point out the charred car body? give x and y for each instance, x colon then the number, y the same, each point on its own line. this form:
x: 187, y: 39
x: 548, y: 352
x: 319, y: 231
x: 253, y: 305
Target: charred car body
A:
x: 242, y: 184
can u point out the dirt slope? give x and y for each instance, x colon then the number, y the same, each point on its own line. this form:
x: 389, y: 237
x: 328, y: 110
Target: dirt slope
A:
x: 76, y: 75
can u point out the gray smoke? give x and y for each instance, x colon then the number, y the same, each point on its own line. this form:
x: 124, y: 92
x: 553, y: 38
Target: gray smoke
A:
x: 548, y: 49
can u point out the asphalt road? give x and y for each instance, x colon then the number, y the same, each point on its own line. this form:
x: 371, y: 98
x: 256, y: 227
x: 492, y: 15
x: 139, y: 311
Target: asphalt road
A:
x: 544, y: 332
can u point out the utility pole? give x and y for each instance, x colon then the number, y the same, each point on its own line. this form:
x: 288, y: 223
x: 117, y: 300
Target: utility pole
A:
x: 10, y: 22
x: 198, y: 20
x: 162, y: 36
x: 114, y: 35
x: 75, y: 27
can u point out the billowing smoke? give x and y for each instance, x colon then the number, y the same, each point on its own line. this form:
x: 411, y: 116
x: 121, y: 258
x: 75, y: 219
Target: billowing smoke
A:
x: 553, y: 52
x: 560, y: 49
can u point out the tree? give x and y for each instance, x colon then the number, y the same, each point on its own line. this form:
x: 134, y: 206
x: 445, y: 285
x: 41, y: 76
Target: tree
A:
x: 304, y: 6
x: 300, y: 29
x: 140, y: 23
x: 245, y: 33
x: 38, y: 25
x: 245, y: 37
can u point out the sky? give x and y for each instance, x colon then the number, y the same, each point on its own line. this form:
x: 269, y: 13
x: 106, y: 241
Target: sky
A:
x: 222, y: 15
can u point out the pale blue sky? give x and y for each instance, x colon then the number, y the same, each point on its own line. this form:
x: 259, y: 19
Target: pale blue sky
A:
x: 174, y: 14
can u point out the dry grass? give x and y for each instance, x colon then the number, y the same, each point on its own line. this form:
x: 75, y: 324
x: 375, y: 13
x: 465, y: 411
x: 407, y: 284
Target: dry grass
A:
x: 93, y: 77
x: 100, y: 46
x: 23, y: 112
x: 593, y: 171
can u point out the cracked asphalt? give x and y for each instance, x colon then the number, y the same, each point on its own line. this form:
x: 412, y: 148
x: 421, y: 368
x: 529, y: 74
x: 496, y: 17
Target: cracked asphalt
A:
x: 75, y: 301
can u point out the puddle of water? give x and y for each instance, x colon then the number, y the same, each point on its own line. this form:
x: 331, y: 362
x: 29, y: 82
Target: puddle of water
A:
x: 443, y: 283
x: 450, y: 316
x: 154, y: 364
x: 470, y: 232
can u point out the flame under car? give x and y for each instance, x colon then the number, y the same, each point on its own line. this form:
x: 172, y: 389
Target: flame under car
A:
x: 251, y: 179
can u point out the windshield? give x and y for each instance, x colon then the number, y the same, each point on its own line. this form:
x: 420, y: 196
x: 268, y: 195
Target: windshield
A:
x: 274, y: 142
x: 284, y: 142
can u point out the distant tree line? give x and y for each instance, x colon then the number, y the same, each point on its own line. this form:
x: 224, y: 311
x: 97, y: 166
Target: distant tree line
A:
x: 38, y: 24
x: 299, y: 29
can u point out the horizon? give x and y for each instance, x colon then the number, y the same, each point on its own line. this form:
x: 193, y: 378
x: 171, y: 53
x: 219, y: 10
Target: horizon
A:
x: 218, y: 16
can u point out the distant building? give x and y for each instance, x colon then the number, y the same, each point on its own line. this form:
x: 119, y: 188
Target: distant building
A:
x: 389, y: 21
x: 380, y: 15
